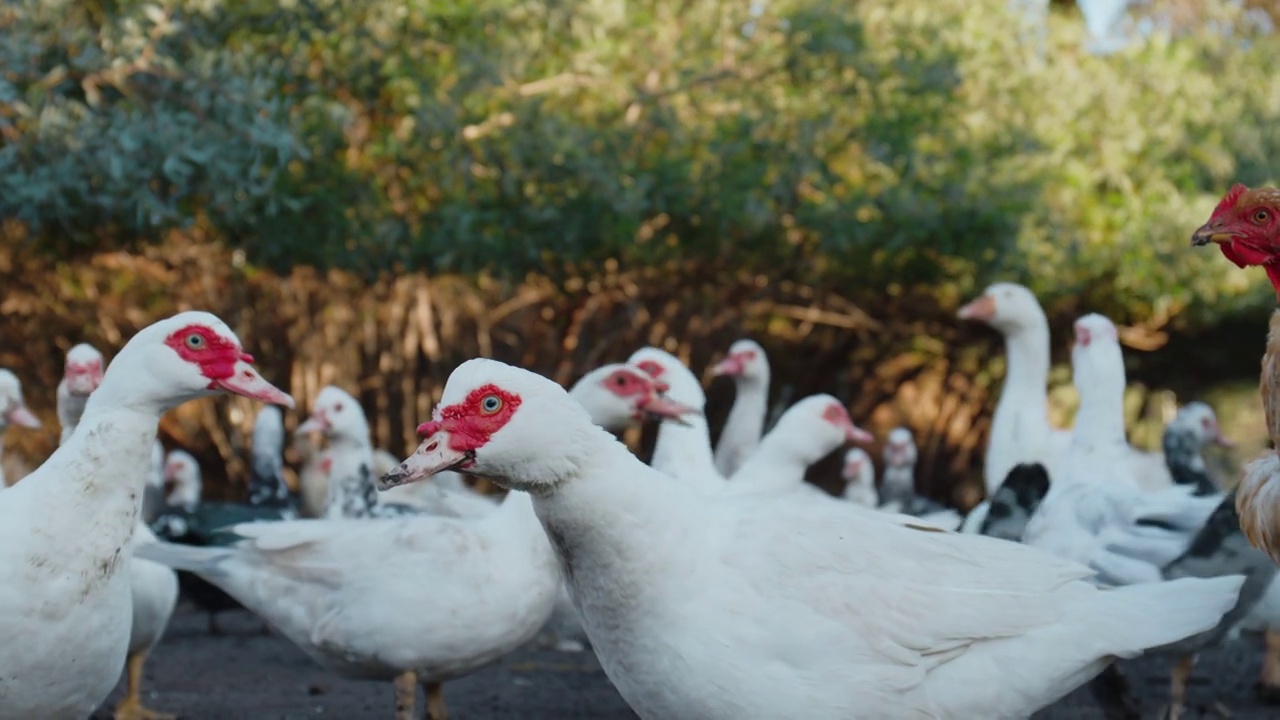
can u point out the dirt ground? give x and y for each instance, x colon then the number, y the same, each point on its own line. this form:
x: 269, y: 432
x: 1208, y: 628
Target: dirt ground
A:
x: 248, y: 674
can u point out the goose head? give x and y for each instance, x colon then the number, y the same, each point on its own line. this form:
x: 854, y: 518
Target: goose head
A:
x: 82, y: 372
x: 619, y: 395
x: 13, y: 409
x: 336, y: 415
x: 746, y: 362
x: 1008, y: 307
x: 182, y: 475
x: 514, y: 426
x: 188, y: 356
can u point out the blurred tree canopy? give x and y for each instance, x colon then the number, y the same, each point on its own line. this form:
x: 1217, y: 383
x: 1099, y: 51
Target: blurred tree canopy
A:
x: 861, y: 146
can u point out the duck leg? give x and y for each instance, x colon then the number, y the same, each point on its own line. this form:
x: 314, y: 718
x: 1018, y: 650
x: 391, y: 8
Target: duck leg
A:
x: 435, y: 701
x: 1178, y: 686
x: 406, y: 685
x: 1269, y: 682
x: 130, y: 706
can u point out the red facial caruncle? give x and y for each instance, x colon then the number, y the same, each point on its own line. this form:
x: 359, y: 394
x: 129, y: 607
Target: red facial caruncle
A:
x: 215, y: 355
x: 1083, y: 337
x: 473, y: 421
x: 735, y: 363
x: 652, y: 367
x: 83, y: 377
x: 838, y: 416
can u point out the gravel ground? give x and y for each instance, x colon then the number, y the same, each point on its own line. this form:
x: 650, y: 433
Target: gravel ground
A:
x: 248, y: 674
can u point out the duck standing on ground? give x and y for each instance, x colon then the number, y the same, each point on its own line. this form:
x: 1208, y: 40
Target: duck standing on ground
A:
x: 859, y: 475
x: 68, y: 525
x: 750, y: 605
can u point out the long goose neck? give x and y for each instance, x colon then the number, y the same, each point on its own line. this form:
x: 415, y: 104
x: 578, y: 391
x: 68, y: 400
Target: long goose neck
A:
x: 1027, y: 368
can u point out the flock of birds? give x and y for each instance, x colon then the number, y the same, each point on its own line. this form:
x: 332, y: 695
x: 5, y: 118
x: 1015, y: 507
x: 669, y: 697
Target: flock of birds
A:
x: 711, y: 583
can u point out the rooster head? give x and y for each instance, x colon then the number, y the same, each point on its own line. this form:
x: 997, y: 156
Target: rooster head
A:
x: 1246, y: 227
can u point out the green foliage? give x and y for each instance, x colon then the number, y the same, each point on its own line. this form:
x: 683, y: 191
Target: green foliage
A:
x: 863, y: 145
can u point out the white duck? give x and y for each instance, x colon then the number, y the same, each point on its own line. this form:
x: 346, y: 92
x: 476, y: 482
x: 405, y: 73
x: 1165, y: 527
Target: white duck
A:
x: 476, y: 588
x: 859, y: 475
x: 346, y: 467
x: 807, y: 432
x: 751, y: 605
x: 67, y: 527
x: 1096, y: 490
x: 898, y: 484
x: 81, y: 375
x: 13, y: 411
x: 1020, y: 431
x: 682, y: 450
x: 748, y: 365
x: 154, y: 587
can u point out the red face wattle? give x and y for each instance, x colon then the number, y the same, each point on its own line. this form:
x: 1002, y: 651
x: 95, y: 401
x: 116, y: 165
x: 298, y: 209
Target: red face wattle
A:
x: 735, y: 363
x: 838, y: 416
x: 224, y: 364
x: 470, y: 423
x: 83, y: 378
x: 1246, y: 225
x: 652, y: 367
x: 1083, y: 337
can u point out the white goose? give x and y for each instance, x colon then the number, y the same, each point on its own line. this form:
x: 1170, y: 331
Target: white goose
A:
x: 13, y: 411
x: 476, y: 588
x: 807, y: 432
x: 65, y: 530
x: 751, y: 606
x: 859, y: 475
x: 748, y: 365
x: 1020, y: 431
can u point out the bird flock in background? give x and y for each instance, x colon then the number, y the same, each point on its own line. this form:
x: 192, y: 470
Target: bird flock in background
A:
x: 710, y: 583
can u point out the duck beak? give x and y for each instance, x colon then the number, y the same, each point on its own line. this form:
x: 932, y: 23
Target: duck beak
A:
x: 19, y: 415
x: 432, y: 456
x: 1222, y: 440
x: 983, y: 308
x: 731, y: 366
x: 317, y: 422
x: 855, y: 434
x: 660, y: 407
x: 247, y: 382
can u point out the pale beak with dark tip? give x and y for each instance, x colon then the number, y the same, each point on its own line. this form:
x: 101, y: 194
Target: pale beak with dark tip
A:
x: 983, y: 308
x: 432, y: 456
x: 1211, y: 232
x: 19, y: 415
x: 660, y: 407
x: 1222, y: 440
x: 248, y: 382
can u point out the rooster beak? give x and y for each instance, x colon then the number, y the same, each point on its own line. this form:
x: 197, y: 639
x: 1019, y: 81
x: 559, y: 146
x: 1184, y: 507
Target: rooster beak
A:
x: 1211, y: 233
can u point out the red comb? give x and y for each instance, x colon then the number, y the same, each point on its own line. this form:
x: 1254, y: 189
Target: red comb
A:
x: 1228, y: 201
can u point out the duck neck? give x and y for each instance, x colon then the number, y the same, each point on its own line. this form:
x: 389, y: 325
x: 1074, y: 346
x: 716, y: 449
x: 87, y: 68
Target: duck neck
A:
x: 684, y: 452
x: 94, y: 482
x: 745, y: 423
x: 70, y: 410
x: 782, y: 459
x: 352, y: 493
x: 601, y: 522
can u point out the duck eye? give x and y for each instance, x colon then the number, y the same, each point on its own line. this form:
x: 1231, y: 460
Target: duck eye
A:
x: 619, y: 380
x: 490, y: 404
x: 337, y: 408
x: 1261, y: 216
x: 195, y: 341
